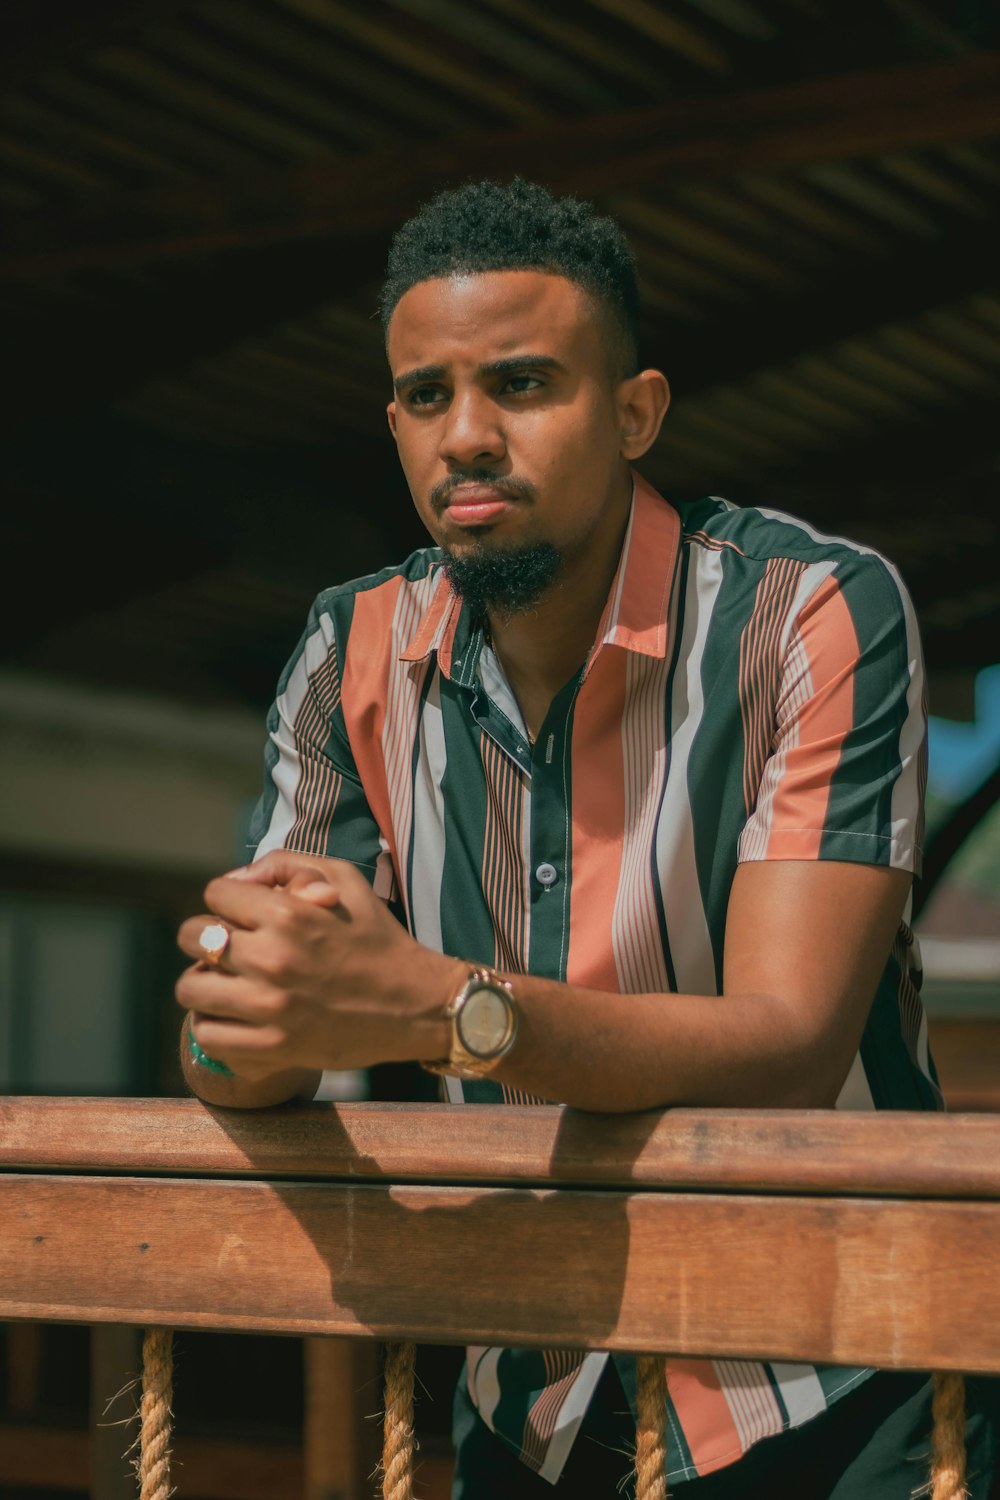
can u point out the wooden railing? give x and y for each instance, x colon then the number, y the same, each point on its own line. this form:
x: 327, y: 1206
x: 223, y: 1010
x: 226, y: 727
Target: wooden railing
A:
x: 820, y: 1236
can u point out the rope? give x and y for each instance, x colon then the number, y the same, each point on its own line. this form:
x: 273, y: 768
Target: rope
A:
x: 398, y: 1445
x: 154, y: 1435
x: 948, y: 1438
x: 651, y: 1428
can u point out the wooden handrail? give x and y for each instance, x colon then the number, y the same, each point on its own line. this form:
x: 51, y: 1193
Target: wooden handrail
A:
x: 839, y: 1238
x: 893, y: 1155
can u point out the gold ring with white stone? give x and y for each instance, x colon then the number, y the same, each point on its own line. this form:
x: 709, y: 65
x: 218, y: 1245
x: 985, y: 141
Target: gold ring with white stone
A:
x: 213, y: 942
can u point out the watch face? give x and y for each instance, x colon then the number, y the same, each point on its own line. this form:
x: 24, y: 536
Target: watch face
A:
x: 484, y: 1023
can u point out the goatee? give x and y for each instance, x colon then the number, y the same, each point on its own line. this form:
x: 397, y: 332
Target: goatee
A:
x: 507, y: 580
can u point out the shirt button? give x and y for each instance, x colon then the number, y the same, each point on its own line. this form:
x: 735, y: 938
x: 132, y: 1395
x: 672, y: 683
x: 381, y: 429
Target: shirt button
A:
x: 546, y: 874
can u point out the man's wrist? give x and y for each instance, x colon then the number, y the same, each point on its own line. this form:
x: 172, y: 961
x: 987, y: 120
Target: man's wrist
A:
x: 482, y: 1020
x: 436, y: 1041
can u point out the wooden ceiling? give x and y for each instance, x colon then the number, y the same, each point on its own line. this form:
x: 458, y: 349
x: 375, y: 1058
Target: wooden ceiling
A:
x: 199, y: 196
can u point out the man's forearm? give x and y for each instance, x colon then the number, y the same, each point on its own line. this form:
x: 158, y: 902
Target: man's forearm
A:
x: 338, y: 983
x: 615, y: 1053
x: 805, y: 946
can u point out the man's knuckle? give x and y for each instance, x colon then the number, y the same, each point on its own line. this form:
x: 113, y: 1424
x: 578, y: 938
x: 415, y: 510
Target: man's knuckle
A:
x: 282, y: 965
x: 287, y: 914
x: 274, y: 1004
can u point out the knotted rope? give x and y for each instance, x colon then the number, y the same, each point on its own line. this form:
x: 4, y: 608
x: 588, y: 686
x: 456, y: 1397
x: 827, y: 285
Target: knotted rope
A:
x: 651, y: 1427
x: 156, y: 1414
x: 948, y: 1438
x: 398, y: 1443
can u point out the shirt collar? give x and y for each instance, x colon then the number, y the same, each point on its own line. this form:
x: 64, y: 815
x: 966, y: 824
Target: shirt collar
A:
x: 437, y: 628
x: 635, y: 617
x: 637, y: 613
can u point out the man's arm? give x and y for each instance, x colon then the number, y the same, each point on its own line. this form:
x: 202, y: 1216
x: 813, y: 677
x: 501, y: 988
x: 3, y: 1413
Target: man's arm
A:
x: 307, y: 746
x: 805, y: 945
x: 325, y: 977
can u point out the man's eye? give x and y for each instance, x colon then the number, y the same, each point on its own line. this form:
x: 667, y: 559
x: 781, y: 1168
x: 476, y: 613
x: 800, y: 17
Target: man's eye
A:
x: 519, y: 383
x: 425, y: 395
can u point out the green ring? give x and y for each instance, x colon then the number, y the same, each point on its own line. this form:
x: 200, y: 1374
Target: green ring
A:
x: 201, y: 1057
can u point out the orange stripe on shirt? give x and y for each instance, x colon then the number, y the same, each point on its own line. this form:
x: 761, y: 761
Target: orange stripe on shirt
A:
x: 824, y: 722
x: 363, y: 699
x: 703, y: 1412
x: 598, y: 814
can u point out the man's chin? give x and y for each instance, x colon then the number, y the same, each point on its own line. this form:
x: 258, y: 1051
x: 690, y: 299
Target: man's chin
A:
x: 504, y: 578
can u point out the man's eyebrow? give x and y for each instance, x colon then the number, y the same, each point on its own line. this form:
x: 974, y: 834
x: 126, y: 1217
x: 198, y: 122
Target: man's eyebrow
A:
x: 414, y: 377
x: 507, y: 366
x: 516, y: 362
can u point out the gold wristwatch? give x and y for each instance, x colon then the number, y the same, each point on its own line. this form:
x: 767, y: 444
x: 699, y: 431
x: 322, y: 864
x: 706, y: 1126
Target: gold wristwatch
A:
x: 483, y: 1018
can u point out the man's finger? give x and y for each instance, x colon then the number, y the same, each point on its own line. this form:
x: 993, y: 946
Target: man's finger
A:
x: 242, y: 903
x: 282, y: 865
x: 225, y: 996
x: 230, y: 1041
x: 250, y: 905
x: 319, y: 892
x: 189, y: 940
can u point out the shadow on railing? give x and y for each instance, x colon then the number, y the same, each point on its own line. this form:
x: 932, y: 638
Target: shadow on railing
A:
x: 353, y: 1219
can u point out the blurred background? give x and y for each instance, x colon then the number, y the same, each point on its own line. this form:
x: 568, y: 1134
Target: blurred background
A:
x: 198, y: 197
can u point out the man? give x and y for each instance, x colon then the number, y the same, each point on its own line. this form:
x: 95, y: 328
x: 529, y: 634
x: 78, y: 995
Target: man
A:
x: 641, y: 782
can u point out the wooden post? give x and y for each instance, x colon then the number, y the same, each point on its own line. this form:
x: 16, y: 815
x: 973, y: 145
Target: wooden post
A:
x: 24, y: 1367
x: 114, y: 1365
x: 341, y: 1410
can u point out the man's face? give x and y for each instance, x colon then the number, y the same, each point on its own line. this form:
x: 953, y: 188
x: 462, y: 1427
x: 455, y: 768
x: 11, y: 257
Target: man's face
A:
x: 505, y: 414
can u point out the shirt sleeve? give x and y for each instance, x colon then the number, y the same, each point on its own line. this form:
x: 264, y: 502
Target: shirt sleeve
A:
x: 845, y: 775
x: 313, y: 801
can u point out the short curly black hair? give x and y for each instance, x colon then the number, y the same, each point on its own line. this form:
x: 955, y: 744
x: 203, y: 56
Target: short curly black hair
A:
x: 519, y: 226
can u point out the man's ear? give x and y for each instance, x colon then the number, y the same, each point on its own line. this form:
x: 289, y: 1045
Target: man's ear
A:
x: 390, y: 412
x: 642, y: 404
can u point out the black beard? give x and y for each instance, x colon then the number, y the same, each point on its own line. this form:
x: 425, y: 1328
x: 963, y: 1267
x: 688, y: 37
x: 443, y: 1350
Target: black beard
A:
x: 508, y: 580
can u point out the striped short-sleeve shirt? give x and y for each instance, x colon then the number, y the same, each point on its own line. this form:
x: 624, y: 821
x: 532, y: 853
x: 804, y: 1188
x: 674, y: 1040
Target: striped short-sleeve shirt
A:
x: 754, y: 692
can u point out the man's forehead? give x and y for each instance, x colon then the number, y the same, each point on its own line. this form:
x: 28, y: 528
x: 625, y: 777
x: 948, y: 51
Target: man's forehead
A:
x: 484, y: 315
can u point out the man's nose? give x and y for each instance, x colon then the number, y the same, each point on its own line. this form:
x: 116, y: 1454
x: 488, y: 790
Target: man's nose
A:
x: 473, y: 432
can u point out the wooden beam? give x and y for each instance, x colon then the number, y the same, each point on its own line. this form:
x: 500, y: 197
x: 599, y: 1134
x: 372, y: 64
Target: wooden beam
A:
x: 90, y: 354
x: 769, y: 1151
x: 896, y: 473
x: 789, y: 126
x: 58, y: 1459
x: 855, y: 299
x: 673, y: 1272
x: 966, y: 1053
x: 41, y: 34
x: 106, y: 353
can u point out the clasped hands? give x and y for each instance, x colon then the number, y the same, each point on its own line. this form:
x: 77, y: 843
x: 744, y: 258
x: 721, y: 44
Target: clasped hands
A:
x: 317, y: 973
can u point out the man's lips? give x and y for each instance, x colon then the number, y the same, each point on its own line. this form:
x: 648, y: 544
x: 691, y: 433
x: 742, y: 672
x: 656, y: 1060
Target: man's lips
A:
x: 477, y: 505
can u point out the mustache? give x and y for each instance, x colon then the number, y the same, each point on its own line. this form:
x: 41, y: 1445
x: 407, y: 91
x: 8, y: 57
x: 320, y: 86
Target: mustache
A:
x: 509, y: 485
